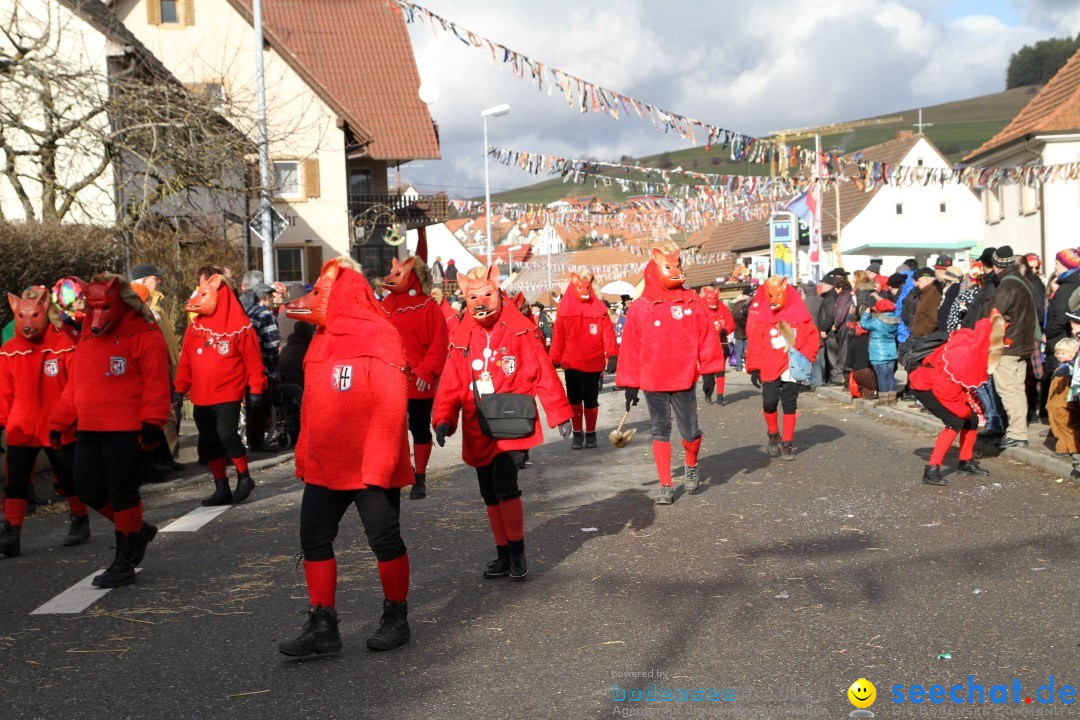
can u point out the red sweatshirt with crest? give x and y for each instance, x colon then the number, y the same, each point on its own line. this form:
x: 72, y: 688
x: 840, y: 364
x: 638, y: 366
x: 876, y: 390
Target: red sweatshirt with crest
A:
x: 424, y: 334
x: 766, y: 349
x: 32, y: 379
x: 220, y: 358
x: 584, y: 336
x: 117, y: 381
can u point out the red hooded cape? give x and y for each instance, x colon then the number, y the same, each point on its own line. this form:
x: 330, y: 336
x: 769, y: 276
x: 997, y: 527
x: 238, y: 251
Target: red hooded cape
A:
x: 32, y: 379
x: 220, y: 358
x: 667, y: 340
x: 355, y: 407
x: 956, y: 368
x: 584, y: 336
x: 765, y: 349
x: 518, y: 364
x: 423, y: 332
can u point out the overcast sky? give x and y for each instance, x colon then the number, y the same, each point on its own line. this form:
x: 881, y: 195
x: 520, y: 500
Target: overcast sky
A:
x: 752, y: 66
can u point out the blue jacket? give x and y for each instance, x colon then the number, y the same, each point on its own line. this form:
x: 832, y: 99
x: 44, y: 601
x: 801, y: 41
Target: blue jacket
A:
x: 882, y: 328
x: 909, y: 285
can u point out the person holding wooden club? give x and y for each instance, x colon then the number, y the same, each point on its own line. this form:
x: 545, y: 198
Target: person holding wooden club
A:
x: 667, y: 342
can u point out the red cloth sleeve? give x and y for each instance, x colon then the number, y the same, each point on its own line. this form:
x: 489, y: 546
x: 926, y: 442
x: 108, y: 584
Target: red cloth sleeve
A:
x: 808, y: 340
x: 755, y: 340
x: 153, y: 359
x: 64, y: 417
x: 435, y: 356
x: 549, y: 389
x: 253, y: 364
x: 448, y: 396
x: 611, y: 348
x: 558, y: 342
x: 710, y: 351
x: 7, y: 390
x: 628, y: 372
x: 727, y: 320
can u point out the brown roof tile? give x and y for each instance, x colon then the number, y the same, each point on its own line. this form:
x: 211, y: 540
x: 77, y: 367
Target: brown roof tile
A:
x: 1055, y: 108
x: 358, y: 57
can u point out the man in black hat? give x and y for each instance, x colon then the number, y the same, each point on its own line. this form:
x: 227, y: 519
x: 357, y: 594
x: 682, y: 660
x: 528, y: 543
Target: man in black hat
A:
x: 926, y: 299
x: 836, y: 307
x: 148, y: 275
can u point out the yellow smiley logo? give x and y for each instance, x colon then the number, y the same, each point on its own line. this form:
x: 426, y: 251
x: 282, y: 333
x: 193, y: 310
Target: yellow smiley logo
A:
x: 862, y: 693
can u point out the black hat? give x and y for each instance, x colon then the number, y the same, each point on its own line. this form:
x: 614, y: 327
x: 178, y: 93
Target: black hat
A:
x: 987, y: 257
x: 145, y: 270
x: 943, y: 261
x: 874, y: 267
x: 897, y: 280
x: 923, y: 272
x: 1003, y: 257
x: 839, y: 271
x: 262, y: 290
x: 912, y: 263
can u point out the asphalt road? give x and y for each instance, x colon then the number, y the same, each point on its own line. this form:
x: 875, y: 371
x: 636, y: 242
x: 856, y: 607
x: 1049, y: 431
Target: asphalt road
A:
x: 783, y: 581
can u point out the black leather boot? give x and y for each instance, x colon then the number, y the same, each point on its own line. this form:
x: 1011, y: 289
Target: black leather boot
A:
x: 970, y: 467
x: 720, y: 399
x: 519, y: 568
x: 122, y: 570
x: 147, y: 533
x: 393, y: 628
x: 319, y: 637
x: 773, y: 450
x: 419, y: 488
x: 79, y: 531
x: 244, y: 486
x: 787, y: 451
x: 579, y: 440
x: 10, y: 539
x: 932, y: 475
x: 222, y: 494
x: 500, y: 566
x: 590, y: 439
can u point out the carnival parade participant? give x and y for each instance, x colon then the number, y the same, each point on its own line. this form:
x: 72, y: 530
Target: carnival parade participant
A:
x: 34, y: 368
x: 353, y: 450
x: 424, y: 334
x: 777, y: 323
x: 494, y: 357
x: 724, y: 322
x: 220, y: 360
x: 118, y: 396
x: 584, y: 344
x: 667, y: 342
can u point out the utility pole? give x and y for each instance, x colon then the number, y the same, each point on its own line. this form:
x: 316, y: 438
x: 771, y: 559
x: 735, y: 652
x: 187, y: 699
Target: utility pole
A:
x: 264, y: 149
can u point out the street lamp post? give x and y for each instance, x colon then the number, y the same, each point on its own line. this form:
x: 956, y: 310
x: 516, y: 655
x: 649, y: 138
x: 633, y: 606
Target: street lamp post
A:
x: 497, y: 111
x: 510, y: 259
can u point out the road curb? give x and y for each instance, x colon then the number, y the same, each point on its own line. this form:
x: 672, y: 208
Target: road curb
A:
x: 198, y: 477
x: 1034, y: 458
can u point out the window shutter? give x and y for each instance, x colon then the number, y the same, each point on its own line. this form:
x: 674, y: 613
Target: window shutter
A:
x: 153, y: 12
x: 311, y: 178
x: 188, y: 16
x: 313, y: 261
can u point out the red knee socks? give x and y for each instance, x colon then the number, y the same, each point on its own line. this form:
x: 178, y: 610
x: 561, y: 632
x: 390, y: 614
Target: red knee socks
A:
x: 240, y: 463
x: 575, y: 421
x: 692, y: 449
x: 661, y: 451
x: 719, y: 384
x: 217, y: 468
x: 967, y: 444
x: 421, y: 453
x: 944, y: 442
x: 128, y: 521
x: 772, y: 423
x: 14, y: 511
x: 321, y: 577
x: 394, y: 576
x: 77, y: 506
x: 513, y: 517
x: 495, y: 517
x: 590, y: 419
x: 789, y: 428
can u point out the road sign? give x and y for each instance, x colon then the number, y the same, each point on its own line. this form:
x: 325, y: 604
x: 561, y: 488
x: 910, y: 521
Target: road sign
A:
x: 278, y: 224
x: 784, y: 245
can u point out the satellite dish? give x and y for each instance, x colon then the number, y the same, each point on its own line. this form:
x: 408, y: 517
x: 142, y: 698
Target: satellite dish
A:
x: 429, y: 92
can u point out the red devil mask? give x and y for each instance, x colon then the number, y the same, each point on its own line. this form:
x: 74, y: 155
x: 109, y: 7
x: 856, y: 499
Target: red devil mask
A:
x: 711, y: 297
x: 671, y: 275
x: 483, y: 300
x: 313, y: 306
x: 581, y: 286
x: 400, y: 277
x: 105, y: 306
x: 776, y: 286
x: 205, y: 300
x: 31, y: 313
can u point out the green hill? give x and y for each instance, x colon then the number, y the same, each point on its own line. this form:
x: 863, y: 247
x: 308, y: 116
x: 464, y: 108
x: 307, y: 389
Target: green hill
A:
x: 958, y: 128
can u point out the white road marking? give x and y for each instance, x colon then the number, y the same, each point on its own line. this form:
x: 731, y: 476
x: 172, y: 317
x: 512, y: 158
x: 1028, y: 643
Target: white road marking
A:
x: 195, y: 519
x: 76, y: 598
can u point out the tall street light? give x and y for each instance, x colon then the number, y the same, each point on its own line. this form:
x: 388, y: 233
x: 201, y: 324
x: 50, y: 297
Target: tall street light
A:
x: 510, y: 258
x: 497, y: 111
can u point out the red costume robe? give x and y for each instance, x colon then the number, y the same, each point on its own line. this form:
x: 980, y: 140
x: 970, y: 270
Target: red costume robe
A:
x: 423, y: 333
x: 584, y: 336
x: 32, y: 379
x: 765, y: 349
x: 220, y: 358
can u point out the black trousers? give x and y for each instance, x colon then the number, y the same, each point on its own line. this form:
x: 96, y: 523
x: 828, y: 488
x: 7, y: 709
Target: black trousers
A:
x: 498, y: 481
x: 321, y: 510
x: 582, y: 388
x: 420, y: 420
x: 942, y: 413
x: 257, y: 420
x: 219, y: 431
x: 108, y: 467
x: 684, y: 403
x: 20, y: 469
x: 708, y: 382
x: 778, y: 392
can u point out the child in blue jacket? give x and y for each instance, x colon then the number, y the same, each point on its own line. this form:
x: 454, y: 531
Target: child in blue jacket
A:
x: 882, y: 324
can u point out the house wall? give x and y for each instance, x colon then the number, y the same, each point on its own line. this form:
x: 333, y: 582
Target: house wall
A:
x: 1007, y: 219
x: 219, y: 48
x: 1061, y: 201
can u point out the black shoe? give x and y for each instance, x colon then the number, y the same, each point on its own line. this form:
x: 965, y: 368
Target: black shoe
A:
x: 33, y: 500
x: 393, y: 628
x: 1008, y: 442
x: 518, y: 567
x: 989, y: 434
x: 590, y: 439
x: 222, y: 494
x: 690, y: 478
x: 175, y: 466
x: 787, y: 452
x: 666, y: 495
x: 932, y: 475
x: 79, y: 531
x: 524, y: 460
x: 970, y: 467
x: 773, y: 449
x: 244, y: 486
x: 579, y: 440
x: 147, y: 533
x: 10, y: 540
x: 419, y: 488
x: 720, y: 399
x: 708, y: 399
x: 320, y: 636
x: 122, y: 570
x: 500, y: 566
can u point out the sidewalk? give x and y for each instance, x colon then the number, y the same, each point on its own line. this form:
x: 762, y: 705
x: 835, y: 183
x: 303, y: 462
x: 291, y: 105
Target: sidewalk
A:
x: 1039, y: 453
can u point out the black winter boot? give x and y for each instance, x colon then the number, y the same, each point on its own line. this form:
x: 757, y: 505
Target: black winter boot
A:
x: 579, y: 440
x: 970, y: 467
x: 773, y: 450
x: 720, y: 399
x: 419, y: 488
x: 518, y: 567
x: 590, y: 439
x: 787, y: 452
x: 79, y: 531
x: 122, y: 570
x: 708, y: 399
x: 932, y: 475
x: 244, y: 486
x: 500, y: 566
x: 10, y: 539
x: 147, y: 533
x: 222, y: 494
x: 393, y: 628
x: 319, y: 638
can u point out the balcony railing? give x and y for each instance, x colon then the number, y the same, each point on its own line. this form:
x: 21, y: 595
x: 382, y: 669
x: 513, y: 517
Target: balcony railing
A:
x: 414, y: 210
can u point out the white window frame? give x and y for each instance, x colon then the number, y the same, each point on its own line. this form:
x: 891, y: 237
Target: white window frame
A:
x: 303, y: 260
x: 298, y: 193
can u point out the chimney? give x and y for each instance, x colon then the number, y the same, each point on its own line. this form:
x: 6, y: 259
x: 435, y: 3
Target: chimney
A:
x: 904, y: 134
